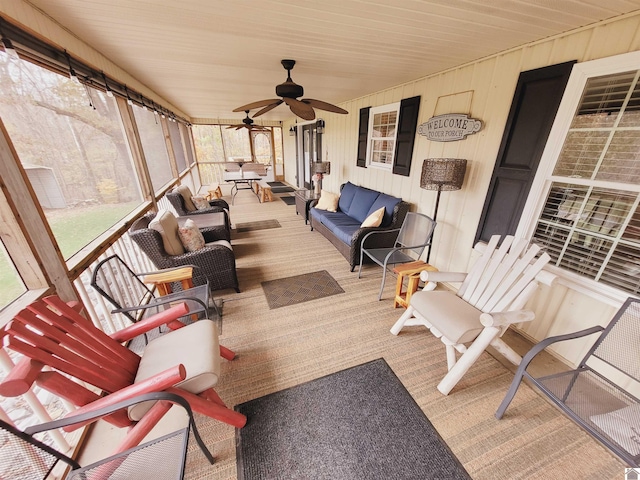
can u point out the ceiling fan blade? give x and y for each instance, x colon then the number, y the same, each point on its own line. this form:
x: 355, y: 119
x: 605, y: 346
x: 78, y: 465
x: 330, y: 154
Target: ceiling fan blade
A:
x: 301, y: 109
x: 267, y: 108
x: 261, y: 103
x: 324, y: 106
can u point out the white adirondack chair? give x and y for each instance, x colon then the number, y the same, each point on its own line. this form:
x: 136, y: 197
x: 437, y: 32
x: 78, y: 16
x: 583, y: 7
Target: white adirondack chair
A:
x: 492, y: 297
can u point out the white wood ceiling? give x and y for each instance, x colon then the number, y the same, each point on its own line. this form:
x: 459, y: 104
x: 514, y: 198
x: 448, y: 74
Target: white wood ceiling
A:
x: 208, y: 57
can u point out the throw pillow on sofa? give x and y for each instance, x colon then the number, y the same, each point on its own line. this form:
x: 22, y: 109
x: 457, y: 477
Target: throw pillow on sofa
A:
x: 166, y: 225
x: 328, y: 201
x: 374, y: 220
x: 191, y: 237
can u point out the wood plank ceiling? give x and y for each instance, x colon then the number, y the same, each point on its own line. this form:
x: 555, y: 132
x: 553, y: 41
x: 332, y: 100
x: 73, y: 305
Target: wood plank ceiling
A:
x: 208, y: 57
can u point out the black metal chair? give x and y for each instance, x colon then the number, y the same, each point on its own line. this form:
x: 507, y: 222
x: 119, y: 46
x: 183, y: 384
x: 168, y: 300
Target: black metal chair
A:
x: 598, y: 394
x: 124, y: 289
x: 25, y: 456
x: 413, y: 237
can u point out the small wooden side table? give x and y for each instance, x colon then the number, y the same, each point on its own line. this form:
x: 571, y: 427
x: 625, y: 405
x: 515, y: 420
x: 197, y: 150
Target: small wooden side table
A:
x: 411, y: 271
x: 163, y: 280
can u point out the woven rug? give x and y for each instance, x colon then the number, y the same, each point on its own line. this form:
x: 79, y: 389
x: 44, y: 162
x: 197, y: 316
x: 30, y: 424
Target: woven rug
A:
x: 300, y: 288
x: 282, y: 189
x: 288, y: 200
x: 354, y: 424
x: 260, y: 225
x: 276, y: 184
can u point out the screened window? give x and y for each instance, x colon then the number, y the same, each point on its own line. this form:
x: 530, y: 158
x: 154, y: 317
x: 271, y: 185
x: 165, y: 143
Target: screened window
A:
x: 178, y: 148
x: 590, y: 220
x: 70, y: 141
x: 11, y: 284
x: 381, y: 145
x: 154, y: 146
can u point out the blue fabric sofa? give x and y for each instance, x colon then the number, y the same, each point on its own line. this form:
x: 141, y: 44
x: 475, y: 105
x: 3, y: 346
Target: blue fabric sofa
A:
x: 342, y: 228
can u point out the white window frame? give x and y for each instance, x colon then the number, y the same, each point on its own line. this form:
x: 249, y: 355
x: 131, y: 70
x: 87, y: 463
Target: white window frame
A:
x: 544, y: 176
x: 391, y: 107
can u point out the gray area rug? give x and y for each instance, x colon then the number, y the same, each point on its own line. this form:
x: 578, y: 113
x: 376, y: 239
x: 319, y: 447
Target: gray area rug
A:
x: 300, y: 288
x: 359, y: 423
x: 261, y: 225
x: 281, y: 189
x: 288, y: 200
x: 276, y: 184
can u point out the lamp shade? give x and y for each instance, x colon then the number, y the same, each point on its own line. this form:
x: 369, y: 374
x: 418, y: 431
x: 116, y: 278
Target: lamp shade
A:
x: 322, y: 167
x: 443, y: 173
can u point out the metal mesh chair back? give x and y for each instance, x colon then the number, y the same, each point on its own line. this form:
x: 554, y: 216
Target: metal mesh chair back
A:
x: 26, y: 457
x: 416, y: 231
x: 117, y: 283
x: 160, y: 459
x: 618, y: 344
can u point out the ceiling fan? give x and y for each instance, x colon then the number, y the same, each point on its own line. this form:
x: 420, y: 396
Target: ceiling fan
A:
x: 247, y: 123
x: 290, y: 91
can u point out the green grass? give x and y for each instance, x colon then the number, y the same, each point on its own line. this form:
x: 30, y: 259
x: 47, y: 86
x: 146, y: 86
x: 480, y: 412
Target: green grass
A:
x: 73, y: 229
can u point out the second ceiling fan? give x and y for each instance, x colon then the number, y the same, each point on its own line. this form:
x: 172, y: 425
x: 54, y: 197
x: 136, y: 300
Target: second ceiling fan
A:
x: 290, y: 92
x: 247, y: 123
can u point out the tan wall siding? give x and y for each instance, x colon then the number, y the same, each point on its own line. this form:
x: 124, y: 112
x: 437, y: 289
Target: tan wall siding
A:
x: 484, y: 90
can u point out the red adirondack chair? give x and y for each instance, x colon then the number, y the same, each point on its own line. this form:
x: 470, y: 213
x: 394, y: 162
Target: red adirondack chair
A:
x: 185, y: 361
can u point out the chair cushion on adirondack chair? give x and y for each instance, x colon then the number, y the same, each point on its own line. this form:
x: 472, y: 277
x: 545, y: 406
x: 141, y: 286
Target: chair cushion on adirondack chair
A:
x: 454, y: 318
x: 203, y: 368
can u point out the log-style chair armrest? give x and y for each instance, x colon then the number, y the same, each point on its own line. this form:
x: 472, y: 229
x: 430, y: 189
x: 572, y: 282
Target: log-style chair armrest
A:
x: 503, y: 319
x: 165, y: 317
x: 431, y: 276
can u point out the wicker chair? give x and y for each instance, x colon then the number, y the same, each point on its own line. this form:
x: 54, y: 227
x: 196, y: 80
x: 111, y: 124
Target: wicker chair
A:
x: 216, y: 263
x: 177, y: 199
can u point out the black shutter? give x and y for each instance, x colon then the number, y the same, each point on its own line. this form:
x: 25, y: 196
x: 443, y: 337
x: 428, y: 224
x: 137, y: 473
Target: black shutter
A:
x: 406, y: 137
x: 533, y: 110
x: 362, y: 137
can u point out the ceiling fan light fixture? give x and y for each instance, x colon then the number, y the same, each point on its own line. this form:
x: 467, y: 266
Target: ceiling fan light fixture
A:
x: 289, y: 91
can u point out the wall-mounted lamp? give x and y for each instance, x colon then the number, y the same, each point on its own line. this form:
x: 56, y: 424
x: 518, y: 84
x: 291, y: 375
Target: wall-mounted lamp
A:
x: 292, y: 131
x: 442, y: 174
x: 320, y: 126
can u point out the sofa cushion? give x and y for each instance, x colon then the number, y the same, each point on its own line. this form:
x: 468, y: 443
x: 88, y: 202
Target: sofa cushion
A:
x: 362, y: 202
x: 388, y: 202
x: 341, y: 225
x: 185, y: 191
x: 346, y: 196
x: 166, y: 225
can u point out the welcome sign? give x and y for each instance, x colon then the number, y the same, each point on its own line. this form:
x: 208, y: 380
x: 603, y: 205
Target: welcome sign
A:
x: 449, y: 127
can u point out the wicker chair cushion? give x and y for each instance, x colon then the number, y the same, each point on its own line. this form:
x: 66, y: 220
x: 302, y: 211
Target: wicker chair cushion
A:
x: 166, y: 225
x: 190, y: 236
x: 186, y: 194
x: 223, y: 243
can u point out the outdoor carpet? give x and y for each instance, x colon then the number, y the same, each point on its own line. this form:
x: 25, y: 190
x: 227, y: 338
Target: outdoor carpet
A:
x: 282, y: 189
x: 260, y: 225
x: 300, y: 288
x: 276, y: 184
x: 359, y: 423
x: 288, y: 200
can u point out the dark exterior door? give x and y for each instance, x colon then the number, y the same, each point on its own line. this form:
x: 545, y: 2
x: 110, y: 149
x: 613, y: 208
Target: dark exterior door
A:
x: 533, y: 110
